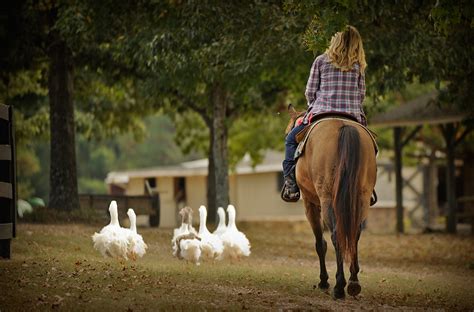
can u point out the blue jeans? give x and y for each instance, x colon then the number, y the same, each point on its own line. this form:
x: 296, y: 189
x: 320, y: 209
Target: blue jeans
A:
x: 290, y: 149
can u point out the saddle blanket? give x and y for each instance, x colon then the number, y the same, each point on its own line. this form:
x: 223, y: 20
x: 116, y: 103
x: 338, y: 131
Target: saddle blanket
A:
x: 301, y: 145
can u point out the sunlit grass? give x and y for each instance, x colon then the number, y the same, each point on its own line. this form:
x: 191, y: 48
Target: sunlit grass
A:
x: 55, y: 266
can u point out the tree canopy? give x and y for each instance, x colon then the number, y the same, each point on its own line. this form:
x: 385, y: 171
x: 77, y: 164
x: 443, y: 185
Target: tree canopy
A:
x: 232, y: 64
x: 429, y: 41
x: 219, y: 61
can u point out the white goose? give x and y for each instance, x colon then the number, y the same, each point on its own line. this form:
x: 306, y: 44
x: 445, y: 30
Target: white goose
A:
x: 211, y: 244
x: 136, y: 245
x: 189, y: 247
x: 182, y: 228
x: 186, y: 219
x: 235, y: 242
x: 221, y: 228
x: 185, y: 243
x: 112, y: 241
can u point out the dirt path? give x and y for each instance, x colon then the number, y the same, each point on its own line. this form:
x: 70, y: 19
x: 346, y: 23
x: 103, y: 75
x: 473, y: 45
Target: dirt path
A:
x: 55, y: 267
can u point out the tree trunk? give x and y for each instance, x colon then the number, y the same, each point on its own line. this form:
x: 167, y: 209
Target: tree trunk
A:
x: 218, y: 189
x: 63, y: 174
x: 211, y: 178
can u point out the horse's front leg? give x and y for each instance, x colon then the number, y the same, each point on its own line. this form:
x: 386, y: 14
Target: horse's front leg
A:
x: 339, y: 292
x: 354, y: 288
x: 313, y: 213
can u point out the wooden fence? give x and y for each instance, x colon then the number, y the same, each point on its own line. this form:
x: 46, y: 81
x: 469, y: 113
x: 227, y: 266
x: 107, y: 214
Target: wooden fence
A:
x: 7, y: 181
x: 142, y: 205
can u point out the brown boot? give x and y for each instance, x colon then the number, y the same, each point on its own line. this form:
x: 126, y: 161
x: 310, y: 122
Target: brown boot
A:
x: 290, y: 191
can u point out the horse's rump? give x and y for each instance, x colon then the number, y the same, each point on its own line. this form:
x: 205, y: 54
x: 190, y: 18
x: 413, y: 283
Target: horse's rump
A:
x: 337, y: 170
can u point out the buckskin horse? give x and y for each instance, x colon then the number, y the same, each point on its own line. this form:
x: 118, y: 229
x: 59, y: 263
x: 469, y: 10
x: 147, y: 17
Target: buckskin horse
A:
x: 336, y: 175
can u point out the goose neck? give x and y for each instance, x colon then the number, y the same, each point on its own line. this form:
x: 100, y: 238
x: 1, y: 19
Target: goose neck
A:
x: 114, y: 217
x: 231, y: 221
x: 202, y: 222
x: 133, y: 224
x: 221, y: 220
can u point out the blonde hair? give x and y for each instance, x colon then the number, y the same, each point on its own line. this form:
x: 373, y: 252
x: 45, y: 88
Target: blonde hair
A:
x: 346, y: 49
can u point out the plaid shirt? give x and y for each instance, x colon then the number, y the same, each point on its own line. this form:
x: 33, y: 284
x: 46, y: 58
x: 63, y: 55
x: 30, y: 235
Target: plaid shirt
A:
x: 331, y: 90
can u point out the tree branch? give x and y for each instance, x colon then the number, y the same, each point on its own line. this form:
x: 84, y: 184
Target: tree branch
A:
x: 192, y: 105
x: 464, y: 134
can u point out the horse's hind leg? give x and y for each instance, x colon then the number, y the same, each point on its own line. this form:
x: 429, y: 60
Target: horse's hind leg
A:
x: 339, y: 292
x: 353, y: 289
x: 313, y: 213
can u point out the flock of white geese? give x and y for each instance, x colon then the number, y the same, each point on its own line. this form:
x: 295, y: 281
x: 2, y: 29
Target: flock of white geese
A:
x: 226, y: 242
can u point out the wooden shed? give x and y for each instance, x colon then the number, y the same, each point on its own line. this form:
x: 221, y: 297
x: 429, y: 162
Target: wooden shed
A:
x: 407, y: 120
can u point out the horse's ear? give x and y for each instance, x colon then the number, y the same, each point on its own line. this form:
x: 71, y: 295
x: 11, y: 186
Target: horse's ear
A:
x: 292, y: 111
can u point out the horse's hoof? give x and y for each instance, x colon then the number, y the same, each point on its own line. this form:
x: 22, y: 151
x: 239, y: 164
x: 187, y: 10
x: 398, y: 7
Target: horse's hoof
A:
x: 323, y: 285
x: 338, y: 294
x: 353, y: 289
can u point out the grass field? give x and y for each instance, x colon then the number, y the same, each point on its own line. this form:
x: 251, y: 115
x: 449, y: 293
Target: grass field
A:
x: 55, y: 267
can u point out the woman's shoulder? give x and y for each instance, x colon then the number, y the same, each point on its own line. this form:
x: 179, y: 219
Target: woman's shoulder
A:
x: 321, y: 58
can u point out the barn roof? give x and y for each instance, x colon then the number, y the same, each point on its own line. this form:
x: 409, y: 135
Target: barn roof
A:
x: 271, y: 163
x: 422, y: 110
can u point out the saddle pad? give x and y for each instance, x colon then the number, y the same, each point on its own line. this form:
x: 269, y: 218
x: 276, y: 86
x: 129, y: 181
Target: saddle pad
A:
x: 301, y: 145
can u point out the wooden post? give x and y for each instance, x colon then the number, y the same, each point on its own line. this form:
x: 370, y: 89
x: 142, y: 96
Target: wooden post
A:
x: 14, y: 171
x: 155, y: 205
x: 432, y: 191
x: 397, y: 136
x: 450, y: 133
x: 8, y: 195
x: 425, y: 197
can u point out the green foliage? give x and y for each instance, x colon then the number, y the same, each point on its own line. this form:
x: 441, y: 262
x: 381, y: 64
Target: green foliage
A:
x: 29, y: 128
x: 132, y: 59
x: 106, y: 108
x: 403, y: 41
x: 394, y: 98
x: 27, y: 92
x: 28, y: 165
x: 448, y: 15
x: 92, y: 186
x: 158, y: 147
x: 96, y: 158
x: 155, y: 148
x: 250, y: 133
x: 25, y: 82
x: 105, y: 99
x: 192, y: 134
x: 253, y: 134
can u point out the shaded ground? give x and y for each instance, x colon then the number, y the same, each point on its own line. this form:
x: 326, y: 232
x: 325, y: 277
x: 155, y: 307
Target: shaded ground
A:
x: 55, y: 267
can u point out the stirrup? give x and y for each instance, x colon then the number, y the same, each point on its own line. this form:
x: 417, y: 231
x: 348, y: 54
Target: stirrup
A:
x: 291, y: 199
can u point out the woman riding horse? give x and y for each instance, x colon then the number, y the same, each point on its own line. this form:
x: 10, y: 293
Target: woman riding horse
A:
x: 336, y: 84
x: 337, y: 171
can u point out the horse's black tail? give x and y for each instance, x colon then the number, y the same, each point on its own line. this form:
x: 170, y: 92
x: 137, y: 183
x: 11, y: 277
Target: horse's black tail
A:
x: 346, y: 200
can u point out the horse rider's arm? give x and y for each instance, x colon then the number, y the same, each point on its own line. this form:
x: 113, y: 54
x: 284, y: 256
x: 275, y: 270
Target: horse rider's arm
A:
x: 313, y: 83
x: 361, y: 85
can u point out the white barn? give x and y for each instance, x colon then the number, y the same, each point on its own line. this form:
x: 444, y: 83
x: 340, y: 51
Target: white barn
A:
x: 255, y: 191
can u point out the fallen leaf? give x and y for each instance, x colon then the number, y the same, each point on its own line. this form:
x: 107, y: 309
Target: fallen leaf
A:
x: 56, y: 303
